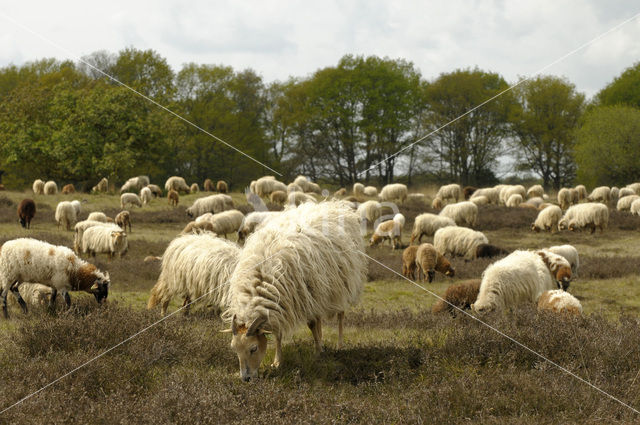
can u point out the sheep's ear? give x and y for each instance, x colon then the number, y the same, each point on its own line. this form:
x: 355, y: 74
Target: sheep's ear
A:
x: 254, y: 329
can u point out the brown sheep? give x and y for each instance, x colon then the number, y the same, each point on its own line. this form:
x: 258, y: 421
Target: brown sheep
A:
x: 278, y: 197
x: 68, y: 188
x: 123, y: 219
x: 468, y: 191
x: 198, y: 227
x: 429, y: 260
x: 194, y: 188
x: 208, y: 186
x: 485, y: 250
x: 461, y: 295
x: 173, y: 197
x: 340, y: 192
x: 409, y: 262
x: 222, y: 187
x: 26, y: 211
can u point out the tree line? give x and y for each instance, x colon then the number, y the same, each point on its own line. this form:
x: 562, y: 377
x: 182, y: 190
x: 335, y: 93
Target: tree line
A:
x: 356, y: 121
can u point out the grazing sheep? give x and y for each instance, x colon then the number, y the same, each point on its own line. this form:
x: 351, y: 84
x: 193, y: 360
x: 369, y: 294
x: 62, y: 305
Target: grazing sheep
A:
x: 535, y: 191
x: 570, y: 253
x: 507, y: 191
x: 461, y: 241
x: 430, y: 261
x: 176, y: 183
x: 635, y: 187
x: 536, y: 202
x: 450, y: 191
x: 625, y: 191
x: 565, y: 199
x: 68, y: 188
x: 145, y: 195
x: 208, y: 185
x: 313, y: 188
x: 155, y: 190
x: 252, y: 221
x: 297, y: 198
x: 106, y: 240
x: 416, y: 197
x: 544, y: 205
x: 35, y: 294
x: 302, y: 182
x: 514, y: 201
x: 302, y: 267
x: 615, y: 194
x: 195, y: 267
x: 226, y: 222
x: 38, y: 187
x: 81, y: 226
x: 527, y: 206
x: 174, y: 198
x: 462, y: 213
x: 123, y: 219
x: 436, y: 204
x: 479, y: 200
x: 265, y: 185
x: 600, y: 194
x: 292, y: 187
x: 194, y: 188
x: 129, y: 198
x: 222, y: 187
x: 340, y: 192
x: 101, y: 187
x: 519, y: 278
x: 485, y: 250
x: 134, y: 184
x: 98, y: 216
x: 212, y: 203
x: 458, y: 297
x: 559, y: 301
x: 198, y: 227
x: 26, y: 212
x: 278, y: 197
x: 582, y: 192
x: 624, y: 203
x: 389, y: 230
x: 358, y: 189
x: 395, y: 191
x: 31, y: 260
x: 588, y: 215
x: 491, y: 193
x: 468, y: 191
x: 371, y: 191
x: 547, y: 219
x: 635, y: 207
x: 65, y: 214
x: 50, y: 188
x: 575, y: 196
x: 409, y: 265
x: 77, y: 205
x: 369, y: 212
x: 427, y: 224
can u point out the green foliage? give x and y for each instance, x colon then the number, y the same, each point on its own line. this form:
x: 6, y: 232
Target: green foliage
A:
x: 624, y: 89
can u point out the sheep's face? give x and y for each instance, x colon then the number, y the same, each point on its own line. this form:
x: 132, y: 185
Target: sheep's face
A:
x: 563, y: 277
x: 250, y: 344
x: 451, y: 272
x: 375, y: 240
x: 100, y: 288
x: 534, y: 228
x: 23, y: 222
x: 482, y: 309
x: 562, y: 225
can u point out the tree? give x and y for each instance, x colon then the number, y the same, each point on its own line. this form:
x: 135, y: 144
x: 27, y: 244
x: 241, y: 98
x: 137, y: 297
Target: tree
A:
x: 543, y: 127
x: 624, y: 90
x: 145, y: 71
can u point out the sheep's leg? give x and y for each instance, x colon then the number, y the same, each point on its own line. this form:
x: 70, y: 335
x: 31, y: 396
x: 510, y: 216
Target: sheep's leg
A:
x: 431, y: 274
x: 316, y: 331
x: 164, y: 307
x: 52, y: 300
x: 5, y: 312
x: 187, y: 305
x: 278, y: 357
x: 16, y: 293
x: 67, y: 298
x: 340, y: 328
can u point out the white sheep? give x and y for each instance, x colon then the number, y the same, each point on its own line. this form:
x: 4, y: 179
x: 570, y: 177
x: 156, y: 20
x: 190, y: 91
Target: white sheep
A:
x: 635, y: 187
x: 297, y: 198
x: 559, y: 301
x: 252, y: 221
x: 129, y: 198
x: 547, y: 219
x: 31, y: 260
x: 302, y: 182
x: 371, y: 191
x: 38, y: 187
x: 535, y: 201
x: 98, y: 216
x: 535, y: 191
x: 588, y: 215
x: 77, y: 205
x: 570, y: 253
x: 565, y: 198
x: 304, y: 266
x: 155, y: 190
x: 50, y: 188
x: 195, y: 267
x: 225, y: 222
x: 458, y: 241
x: 514, y: 200
x: 81, y: 226
x: 101, y: 187
x: 393, y: 192
x: 521, y: 277
x: 600, y: 194
x: 427, y: 224
x: 369, y: 212
x: 65, y: 215
x: 176, y: 183
x: 492, y: 194
x: 421, y: 197
x: 194, y: 188
x: 509, y: 190
x: 582, y: 192
x: 450, y: 191
x: 292, y: 187
x: 212, y: 203
x: 265, y: 185
x: 624, y: 203
x: 105, y: 240
x: 479, y: 200
x: 389, y: 230
x: 35, y: 294
x: 465, y: 212
x: 625, y: 191
x: 358, y: 189
x: 145, y: 195
x: 134, y: 184
x: 635, y: 207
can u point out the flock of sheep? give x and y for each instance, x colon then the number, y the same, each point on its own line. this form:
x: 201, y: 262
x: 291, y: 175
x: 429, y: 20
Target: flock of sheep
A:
x: 307, y: 263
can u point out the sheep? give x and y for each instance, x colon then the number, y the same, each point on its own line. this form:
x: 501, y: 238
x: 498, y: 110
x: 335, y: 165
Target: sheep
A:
x: 65, y: 214
x: 173, y: 198
x: 514, y: 200
x: 460, y: 295
x: 468, y: 191
x: 430, y: 261
x: 409, y: 261
x: 68, y: 188
x: 485, y: 250
x: 525, y: 205
x: 26, y: 212
x: 305, y: 265
x: 226, y: 222
x: 582, y: 192
x: 50, y: 188
x: 340, y: 192
x: 535, y: 201
x: 570, y: 253
x: 208, y: 185
x: 35, y: 294
x: 416, y: 197
x: 104, y: 239
x: 130, y: 198
x: 615, y: 194
x: 464, y: 212
x: 389, y: 229
x: 479, y: 200
x: 155, y: 190
x: 31, y: 260
x: 625, y: 191
x: 81, y: 226
x: 123, y: 219
x: 221, y: 186
x: 212, y: 203
x: 544, y: 205
x: 575, y: 196
x: 313, y: 188
x: 371, y: 191
x: 101, y: 187
x: 450, y: 191
x: 77, y: 205
x: 134, y: 184
x: 194, y: 188
x: 278, y: 197
x: 252, y: 221
x: 521, y: 277
x: 358, y: 189
x: 176, y: 183
x: 145, y: 195
x: 392, y: 192
x: 265, y: 185
x: 98, y: 216
x: 297, y: 198
x: 600, y: 194
x: 436, y: 204
x: 624, y: 203
x: 535, y: 191
x: 635, y: 187
x: 369, y: 211
x: 547, y: 219
x: 452, y: 241
x: 587, y: 215
x: 565, y: 198
x: 507, y: 191
x: 559, y: 301
x: 491, y: 193
x: 427, y: 224
x: 292, y: 187
x: 38, y: 187
x: 195, y: 267
x: 198, y: 227
x: 302, y: 182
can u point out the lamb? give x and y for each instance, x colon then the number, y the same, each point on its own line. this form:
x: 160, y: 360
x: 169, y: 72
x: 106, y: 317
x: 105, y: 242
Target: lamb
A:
x: 485, y: 250
x: 26, y: 212
x: 81, y: 226
x: 104, y: 239
x: 198, y: 227
x: 389, y: 230
x: 289, y: 273
x: 570, y: 253
x: 208, y: 185
x: 265, y: 185
x: 176, y: 183
x: 278, y: 197
x: 458, y: 297
x: 222, y: 187
x: 395, y: 191
x: 50, y: 188
x: 226, y: 222
x: 145, y: 195
x: 38, y: 187
x: 134, y: 184
x: 358, y: 189
x: 429, y: 260
x: 195, y: 267
x: 565, y: 198
x: 624, y: 203
x: 174, y: 198
x: 462, y: 213
x: 559, y: 301
x: 547, y: 219
x: 101, y: 187
x: 68, y: 188
x: 194, y: 188
x: 123, y: 219
x: 252, y: 221
x: 31, y: 260
x: 535, y: 191
x: 427, y: 224
x: 371, y: 191
x: 491, y: 193
x: 35, y: 294
x: 514, y: 201
x: 600, y: 194
x: 588, y: 215
x: 452, y: 241
x: 468, y: 191
x: 155, y: 190
x: 409, y: 265
x: 582, y: 192
x: 521, y: 277
x: 98, y: 216
x: 369, y: 211
x: 65, y: 214
x: 297, y: 198
x: 130, y: 198
x: 450, y: 191
x: 212, y: 203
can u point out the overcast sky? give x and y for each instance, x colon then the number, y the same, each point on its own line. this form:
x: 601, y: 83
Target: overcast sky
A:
x: 279, y: 39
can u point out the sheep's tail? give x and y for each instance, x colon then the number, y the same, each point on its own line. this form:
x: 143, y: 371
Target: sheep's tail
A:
x: 439, y: 307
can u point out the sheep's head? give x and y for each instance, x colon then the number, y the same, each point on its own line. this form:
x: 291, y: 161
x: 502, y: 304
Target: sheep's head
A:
x: 375, y: 240
x: 572, y: 226
x: 534, y: 228
x: 118, y: 238
x: 250, y: 344
x: 100, y: 288
x: 482, y: 309
x: 563, y: 225
x: 559, y: 267
x: 23, y: 222
x: 451, y: 272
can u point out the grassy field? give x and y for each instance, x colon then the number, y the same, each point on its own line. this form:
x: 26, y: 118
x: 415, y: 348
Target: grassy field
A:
x: 400, y: 363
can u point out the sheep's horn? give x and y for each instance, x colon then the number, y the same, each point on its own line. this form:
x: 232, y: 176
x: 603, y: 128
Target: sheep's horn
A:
x: 255, y: 326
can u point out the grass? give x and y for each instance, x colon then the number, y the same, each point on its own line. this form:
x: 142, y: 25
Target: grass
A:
x: 400, y: 363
